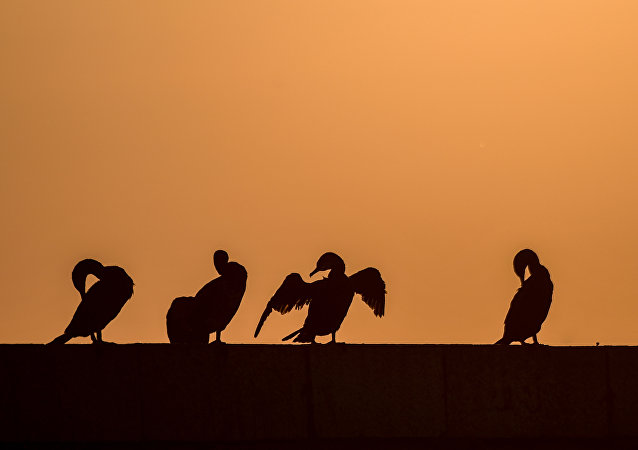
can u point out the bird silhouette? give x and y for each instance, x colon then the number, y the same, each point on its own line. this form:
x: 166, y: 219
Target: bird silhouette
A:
x: 329, y: 299
x: 531, y: 303
x: 100, y: 304
x: 192, y: 319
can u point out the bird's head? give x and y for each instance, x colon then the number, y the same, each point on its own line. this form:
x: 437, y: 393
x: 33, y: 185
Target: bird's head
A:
x: 116, y: 276
x: 522, y: 260
x: 329, y: 261
x: 82, y: 270
x: 220, y: 260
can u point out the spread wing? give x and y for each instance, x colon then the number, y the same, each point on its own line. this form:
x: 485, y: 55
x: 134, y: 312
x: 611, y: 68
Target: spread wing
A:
x: 294, y: 292
x: 370, y: 285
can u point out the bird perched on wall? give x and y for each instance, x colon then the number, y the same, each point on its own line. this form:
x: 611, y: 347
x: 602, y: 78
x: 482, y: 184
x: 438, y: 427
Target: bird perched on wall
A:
x: 100, y: 304
x: 329, y: 299
x: 531, y: 303
x: 192, y: 319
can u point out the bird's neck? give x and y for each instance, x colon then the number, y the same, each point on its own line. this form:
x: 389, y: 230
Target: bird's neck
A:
x: 221, y: 268
x: 337, y: 272
x: 537, y: 269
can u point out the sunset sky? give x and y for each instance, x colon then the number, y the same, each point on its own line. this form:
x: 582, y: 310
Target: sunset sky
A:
x: 429, y: 139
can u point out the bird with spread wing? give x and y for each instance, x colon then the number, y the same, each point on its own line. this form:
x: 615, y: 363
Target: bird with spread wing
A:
x: 329, y: 299
x: 530, y: 305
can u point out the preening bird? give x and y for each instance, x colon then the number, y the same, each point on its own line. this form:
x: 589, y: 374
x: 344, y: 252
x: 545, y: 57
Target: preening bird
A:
x: 192, y: 319
x: 329, y: 299
x: 531, y: 303
x: 100, y: 304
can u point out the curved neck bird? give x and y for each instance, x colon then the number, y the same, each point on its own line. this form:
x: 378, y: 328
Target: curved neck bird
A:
x: 192, y: 319
x: 100, y: 304
x: 329, y: 299
x: 531, y: 303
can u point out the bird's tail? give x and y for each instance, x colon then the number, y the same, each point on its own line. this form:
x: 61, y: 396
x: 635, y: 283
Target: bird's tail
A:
x: 62, y: 339
x: 292, y: 335
x: 263, y: 319
x: 503, y: 341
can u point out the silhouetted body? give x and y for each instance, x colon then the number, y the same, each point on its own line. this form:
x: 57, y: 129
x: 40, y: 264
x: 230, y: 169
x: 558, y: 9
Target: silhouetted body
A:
x: 530, y: 305
x: 182, y: 323
x: 101, y: 303
x: 192, y: 319
x: 328, y: 299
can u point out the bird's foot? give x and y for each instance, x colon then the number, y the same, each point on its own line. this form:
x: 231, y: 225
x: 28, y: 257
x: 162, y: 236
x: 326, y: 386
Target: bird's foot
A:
x: 216, y: 342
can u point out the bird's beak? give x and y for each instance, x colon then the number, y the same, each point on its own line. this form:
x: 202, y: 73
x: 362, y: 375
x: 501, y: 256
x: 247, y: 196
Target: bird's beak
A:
x: 314, y: 272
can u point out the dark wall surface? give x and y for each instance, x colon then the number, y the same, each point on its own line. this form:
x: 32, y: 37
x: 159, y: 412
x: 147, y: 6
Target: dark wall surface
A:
x: 261, y: 394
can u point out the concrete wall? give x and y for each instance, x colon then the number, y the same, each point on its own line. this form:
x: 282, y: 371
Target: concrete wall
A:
x: 263, y: 393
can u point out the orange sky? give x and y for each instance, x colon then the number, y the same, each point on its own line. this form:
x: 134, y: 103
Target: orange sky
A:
x: 432, y: 140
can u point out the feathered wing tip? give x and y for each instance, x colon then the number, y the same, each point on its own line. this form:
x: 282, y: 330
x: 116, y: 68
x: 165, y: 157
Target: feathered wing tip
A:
x: 263, y: 318
x: 294, y: 292
x: 370, y: 285
x: 62, y: 339
x: 292, y: 335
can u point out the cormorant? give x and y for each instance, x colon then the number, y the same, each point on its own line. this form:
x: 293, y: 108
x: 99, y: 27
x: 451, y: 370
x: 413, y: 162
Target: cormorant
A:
x: 329, y: 298
x: 100, y: 304
x: 531, y: 302
x: 192, y: 319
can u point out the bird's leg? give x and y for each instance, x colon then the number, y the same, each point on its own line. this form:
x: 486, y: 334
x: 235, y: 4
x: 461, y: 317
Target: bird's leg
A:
x: 334, y: 340
x: 535, y: 340
x: 93, y: 338
x: 523, y: 342
x: 99, y: 339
